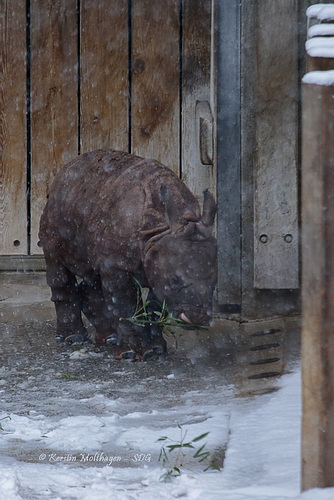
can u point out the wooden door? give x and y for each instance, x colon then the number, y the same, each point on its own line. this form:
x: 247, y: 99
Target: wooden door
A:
x: 78, y: 75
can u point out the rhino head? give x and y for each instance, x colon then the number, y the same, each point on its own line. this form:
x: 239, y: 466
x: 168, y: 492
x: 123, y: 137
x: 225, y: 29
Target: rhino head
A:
x: 181, y: 264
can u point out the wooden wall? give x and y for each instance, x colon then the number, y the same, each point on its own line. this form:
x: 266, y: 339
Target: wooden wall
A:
x: 85, y: 74
x: 142, y: 78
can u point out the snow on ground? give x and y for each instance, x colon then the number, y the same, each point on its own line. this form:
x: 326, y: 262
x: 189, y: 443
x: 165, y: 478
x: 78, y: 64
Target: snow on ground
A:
x: 115, y: 454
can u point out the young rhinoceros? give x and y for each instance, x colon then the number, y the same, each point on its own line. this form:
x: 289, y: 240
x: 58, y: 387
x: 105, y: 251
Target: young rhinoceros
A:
x: 112, y: 217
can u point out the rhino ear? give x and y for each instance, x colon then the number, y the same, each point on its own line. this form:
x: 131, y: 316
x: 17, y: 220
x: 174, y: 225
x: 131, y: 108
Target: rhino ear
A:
x: 209, y: 209
x: 177, y: 208
x: 172, y: 211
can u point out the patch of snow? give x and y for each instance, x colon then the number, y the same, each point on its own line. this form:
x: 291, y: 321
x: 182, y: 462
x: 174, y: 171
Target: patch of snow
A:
x: 326, y: 13
x: 84, y: 353
x: 262, y: 460
x: 321, y: 30
x: 23, y: 428
x: 314, y: 10
x: 319, y: 77
x: 320, y: 47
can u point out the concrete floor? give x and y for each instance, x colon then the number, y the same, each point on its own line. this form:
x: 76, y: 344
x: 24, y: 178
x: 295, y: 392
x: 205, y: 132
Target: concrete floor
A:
x: 37, y: 375
x: 27, y: 332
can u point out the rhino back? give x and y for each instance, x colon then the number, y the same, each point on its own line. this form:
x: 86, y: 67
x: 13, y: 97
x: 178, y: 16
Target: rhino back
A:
x: 100, y: 206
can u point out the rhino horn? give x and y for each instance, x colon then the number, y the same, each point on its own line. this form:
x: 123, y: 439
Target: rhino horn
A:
x: 209, y: 209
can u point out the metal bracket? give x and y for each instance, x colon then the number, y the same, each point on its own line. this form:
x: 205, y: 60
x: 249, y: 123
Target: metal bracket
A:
x: 204, y: 120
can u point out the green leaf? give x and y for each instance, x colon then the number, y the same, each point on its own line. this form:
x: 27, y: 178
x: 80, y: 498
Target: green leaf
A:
x: 198, y: 452
x: 172, y: 447
x: 163, y: 456
x: 202, y: 436
x: 205, y: 455
x: 187, y: 445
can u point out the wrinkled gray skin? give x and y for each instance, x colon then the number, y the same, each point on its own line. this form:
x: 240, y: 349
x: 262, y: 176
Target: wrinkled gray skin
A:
x: 112, y: 216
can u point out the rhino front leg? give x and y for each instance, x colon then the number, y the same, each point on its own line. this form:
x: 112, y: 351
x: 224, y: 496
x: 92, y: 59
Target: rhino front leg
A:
x: 65, y: 295
x: 155, y: 344
x: 120, y: 295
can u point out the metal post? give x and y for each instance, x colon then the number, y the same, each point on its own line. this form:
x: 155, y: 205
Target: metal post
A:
x: 228, y: 153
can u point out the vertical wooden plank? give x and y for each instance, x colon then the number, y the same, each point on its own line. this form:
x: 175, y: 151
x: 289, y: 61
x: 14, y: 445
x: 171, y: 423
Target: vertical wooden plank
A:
x: 54, y: 105
x: 318, y: 285
x: 228, y: 153
x: 104, y: 74
x: 196, y: 87
x: 13, y: 180
x: 276, y: 133
x: 256, y: 303
x: 155, y: 81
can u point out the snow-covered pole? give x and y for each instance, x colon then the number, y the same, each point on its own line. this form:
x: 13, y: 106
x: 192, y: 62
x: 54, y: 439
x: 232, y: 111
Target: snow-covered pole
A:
x: 320, y: 37
x: 318, y: 279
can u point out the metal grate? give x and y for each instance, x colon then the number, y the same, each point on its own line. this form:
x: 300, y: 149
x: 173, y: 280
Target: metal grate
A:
x: 259, y: 360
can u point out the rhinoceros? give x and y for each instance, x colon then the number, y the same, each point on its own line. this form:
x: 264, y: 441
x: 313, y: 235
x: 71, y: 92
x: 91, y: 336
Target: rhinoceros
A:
x: 111, y: 219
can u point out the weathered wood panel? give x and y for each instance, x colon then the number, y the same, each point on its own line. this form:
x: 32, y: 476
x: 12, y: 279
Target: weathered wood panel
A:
x: 318, y: 286
x: 13, y: 180
x: 54, y: 105
x: 155, y: 81
x: 276, y: 135
x: 197, y: 77
x: 257, y: 303
x: 104, y: 74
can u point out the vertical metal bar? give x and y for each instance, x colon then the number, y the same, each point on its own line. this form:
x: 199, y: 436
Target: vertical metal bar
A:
x: 180, y: 83
x: 130, y: 74
x: 79, y: 72
x: 228, y: 152
x: 28, y: 125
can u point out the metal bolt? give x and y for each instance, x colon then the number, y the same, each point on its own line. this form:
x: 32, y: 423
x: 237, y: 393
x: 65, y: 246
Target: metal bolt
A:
x: 264, y: 238
x: 288, y: 238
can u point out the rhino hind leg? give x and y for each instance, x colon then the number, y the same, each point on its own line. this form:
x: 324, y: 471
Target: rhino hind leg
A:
x: 66, y: 298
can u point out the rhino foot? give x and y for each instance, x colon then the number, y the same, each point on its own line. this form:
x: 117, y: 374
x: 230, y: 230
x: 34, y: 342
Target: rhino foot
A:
x: 150, y: 354
x: 111, y: 340
x: 76, y: 338
x: 71, y: 339
x: 105, y: 338
x: 128, y: 354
